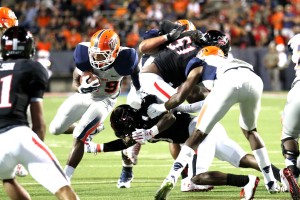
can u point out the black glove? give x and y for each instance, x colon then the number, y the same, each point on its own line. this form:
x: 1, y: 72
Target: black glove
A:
x: 198, y: 37
x: 175, y: 33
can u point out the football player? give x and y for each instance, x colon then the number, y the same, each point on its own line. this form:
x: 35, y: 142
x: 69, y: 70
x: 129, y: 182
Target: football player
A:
x: 233, y: 81
x: 93, y: 101
x: 155, y: 40
x: 23, y: 83
x: 131, y: 124
x: 8, y: 19
x: 290, y: 118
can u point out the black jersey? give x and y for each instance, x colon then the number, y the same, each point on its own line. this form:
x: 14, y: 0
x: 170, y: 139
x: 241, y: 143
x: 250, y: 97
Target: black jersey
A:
x: 20, y: 80
x: 177, y: 133
x: 172, y: 61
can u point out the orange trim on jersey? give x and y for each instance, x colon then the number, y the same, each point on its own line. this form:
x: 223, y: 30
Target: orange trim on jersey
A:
x: 201, y: 113
x: 161, y: 90
x: 41, y: 146
x: 92, y: 129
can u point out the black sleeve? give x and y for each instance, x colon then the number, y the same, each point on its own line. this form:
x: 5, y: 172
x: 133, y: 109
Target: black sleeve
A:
x: 39, y: 80
x: 115, y: 145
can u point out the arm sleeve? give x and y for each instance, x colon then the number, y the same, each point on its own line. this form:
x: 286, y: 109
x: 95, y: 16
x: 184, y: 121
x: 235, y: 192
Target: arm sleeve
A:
x: 115, y: 145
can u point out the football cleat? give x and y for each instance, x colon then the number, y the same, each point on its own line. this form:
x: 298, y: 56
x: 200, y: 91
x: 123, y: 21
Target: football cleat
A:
x: 249, y: 189
x: 188, y: 186
x: 165, y: 188
x: 273, y: 187
x: 20, y: 171
x: 125, y: 178
x: 289, y: 182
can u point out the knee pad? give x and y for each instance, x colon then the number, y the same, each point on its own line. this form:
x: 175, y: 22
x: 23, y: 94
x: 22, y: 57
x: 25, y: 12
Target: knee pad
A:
x: 288, y: 142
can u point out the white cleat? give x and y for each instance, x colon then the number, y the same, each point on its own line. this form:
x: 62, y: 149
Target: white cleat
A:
x: 273, y: 187
x: 248, y: 191
x: 188, y: 186
x: 21, y: 171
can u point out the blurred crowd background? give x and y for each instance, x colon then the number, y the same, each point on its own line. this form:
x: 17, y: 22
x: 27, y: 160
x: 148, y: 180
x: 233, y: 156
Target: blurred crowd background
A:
x: 58, y: 25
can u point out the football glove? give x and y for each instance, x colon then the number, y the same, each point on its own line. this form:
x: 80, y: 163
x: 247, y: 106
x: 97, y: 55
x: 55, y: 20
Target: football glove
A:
x: 155, y: 110
x: 86, y: 87
x: 142, y: 136
x: 175, y: 33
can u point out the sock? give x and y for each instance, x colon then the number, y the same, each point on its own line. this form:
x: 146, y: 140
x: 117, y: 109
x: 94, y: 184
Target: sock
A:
x: 264, y: 164
x: 127, y: 169
x: 185, y: 156
x: 69, y: 171
x: 237, y: 180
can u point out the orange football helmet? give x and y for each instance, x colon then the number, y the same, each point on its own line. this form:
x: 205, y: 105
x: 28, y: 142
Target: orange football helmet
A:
x: 190, y: 26
x: 104, y: 48
x: 7, y: 19
x: 210, y: 50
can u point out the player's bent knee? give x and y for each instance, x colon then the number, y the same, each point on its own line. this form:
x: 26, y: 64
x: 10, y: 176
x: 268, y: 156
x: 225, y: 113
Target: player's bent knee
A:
x: 54, y: 130
x: 66, y: 193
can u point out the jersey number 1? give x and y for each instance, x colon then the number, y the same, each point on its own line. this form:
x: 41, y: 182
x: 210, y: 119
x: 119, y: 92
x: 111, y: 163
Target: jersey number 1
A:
x: 4, y: 95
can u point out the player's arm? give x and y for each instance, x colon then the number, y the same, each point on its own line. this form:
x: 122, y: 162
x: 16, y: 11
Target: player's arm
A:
x: 38, y: 122
x: 166, y: 121
x: 151, y: 46
x: 76, y: 80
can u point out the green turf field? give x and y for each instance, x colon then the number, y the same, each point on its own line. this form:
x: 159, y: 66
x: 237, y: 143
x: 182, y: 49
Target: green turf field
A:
x: 96, y: 176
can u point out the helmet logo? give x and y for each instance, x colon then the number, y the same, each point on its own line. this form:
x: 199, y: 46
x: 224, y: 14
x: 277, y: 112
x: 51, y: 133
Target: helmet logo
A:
x: 222, y: 41
x: 113, y: 43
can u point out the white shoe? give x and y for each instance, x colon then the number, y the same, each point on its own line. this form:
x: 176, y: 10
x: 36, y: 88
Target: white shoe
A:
x: 273, y: 187
x: 91, y: 147
x: 165, y: 188
x: 125, y: 179
x: 133, y: 152
x: 249, y: 189
x: 188, y: 186
x: 21, y: 171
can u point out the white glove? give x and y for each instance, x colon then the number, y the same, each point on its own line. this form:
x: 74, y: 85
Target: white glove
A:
x: 86, y: 87
x: 142, y: 135
x: 155, y: 110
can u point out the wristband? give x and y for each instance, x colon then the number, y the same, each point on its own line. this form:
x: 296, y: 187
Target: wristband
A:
x: 166, y: 36
x: 154, y: 130
x: 99, y: 147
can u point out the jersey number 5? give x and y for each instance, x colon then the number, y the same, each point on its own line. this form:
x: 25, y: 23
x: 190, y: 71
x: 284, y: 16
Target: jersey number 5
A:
x: 5, y: 90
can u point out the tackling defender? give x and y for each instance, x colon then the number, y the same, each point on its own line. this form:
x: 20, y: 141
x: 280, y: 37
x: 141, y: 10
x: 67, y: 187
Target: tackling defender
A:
x: 93, y: 101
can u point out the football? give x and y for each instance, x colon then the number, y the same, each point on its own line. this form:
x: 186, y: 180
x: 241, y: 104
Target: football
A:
x: 91, y: 77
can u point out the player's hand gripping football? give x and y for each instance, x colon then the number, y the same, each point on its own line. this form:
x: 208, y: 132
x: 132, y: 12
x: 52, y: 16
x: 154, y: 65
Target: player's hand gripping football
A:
x: 155, y: 110
x: 86, y: 87
x: 142, y: 136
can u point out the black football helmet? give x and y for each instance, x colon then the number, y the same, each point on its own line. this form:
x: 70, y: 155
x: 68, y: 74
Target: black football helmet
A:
x: 124, y: 119
x: 17, y: 42
x: 216, y: 38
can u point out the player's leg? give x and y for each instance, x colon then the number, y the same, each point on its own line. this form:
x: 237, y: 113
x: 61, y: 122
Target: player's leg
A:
x: 249, y: 102
x: 248, y: 183
x: 69, y: 112
x: 154, y: 84
x: 289, y: 139
x: 216, y: 105
x: 54, y: 179
x: 90, y: 120
x: 14, y: 190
